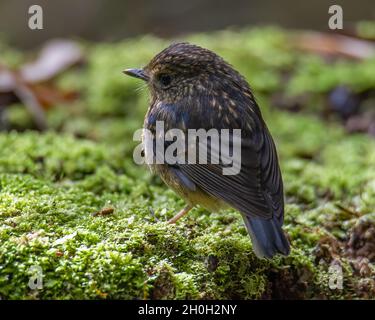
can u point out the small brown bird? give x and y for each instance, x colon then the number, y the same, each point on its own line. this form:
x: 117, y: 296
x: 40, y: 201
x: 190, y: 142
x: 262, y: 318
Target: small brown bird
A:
x: 193, y: 88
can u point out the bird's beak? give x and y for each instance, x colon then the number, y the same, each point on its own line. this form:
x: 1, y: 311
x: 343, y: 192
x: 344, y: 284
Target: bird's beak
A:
x: 137, y: 73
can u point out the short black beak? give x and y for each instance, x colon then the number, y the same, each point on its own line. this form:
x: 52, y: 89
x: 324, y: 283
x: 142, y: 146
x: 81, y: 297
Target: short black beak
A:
x: 137, y: 73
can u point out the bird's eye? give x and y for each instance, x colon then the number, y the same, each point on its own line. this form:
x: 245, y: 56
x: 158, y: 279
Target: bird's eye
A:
x: 165, y: 79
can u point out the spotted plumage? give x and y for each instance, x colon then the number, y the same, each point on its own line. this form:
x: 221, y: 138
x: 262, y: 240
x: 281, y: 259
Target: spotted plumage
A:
x: 192, y: 88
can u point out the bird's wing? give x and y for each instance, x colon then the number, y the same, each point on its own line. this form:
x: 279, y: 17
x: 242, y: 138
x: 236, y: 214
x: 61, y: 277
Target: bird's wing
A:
x: 257, y: 190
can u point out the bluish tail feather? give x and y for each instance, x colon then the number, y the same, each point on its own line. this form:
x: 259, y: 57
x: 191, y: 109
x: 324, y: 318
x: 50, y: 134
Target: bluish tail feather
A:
x: 267, y: 237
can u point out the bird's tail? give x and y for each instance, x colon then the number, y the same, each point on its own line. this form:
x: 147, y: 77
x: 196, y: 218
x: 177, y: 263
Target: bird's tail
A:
x: 267, y: 237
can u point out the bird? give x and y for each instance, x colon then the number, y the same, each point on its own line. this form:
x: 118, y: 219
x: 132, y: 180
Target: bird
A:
x: 192, y: 87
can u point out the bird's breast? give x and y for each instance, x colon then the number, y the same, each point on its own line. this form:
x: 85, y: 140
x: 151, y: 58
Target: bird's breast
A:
x: 171, y: 116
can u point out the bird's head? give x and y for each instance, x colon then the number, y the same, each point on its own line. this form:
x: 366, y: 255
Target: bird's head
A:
x: 183, y: 70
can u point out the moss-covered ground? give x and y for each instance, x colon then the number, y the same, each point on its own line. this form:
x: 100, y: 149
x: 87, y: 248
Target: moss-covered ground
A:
x: 54, y: 186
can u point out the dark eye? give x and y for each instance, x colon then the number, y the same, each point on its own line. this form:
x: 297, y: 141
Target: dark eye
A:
x: 165, y: 79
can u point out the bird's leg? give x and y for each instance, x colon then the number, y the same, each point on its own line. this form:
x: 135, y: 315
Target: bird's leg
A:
x: 179, y: 215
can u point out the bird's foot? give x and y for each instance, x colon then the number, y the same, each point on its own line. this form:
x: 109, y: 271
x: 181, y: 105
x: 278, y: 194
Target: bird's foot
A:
x: 179, y: 215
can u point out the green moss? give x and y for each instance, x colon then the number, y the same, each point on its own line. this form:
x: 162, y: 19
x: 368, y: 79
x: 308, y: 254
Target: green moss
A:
x: 9, y: 56
x: 52, y: 183
x: 366, y: 29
